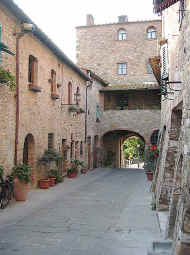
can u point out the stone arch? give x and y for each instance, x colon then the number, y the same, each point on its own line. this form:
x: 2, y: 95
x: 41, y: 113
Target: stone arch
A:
x: 29, y: 151
x: 112, y: 142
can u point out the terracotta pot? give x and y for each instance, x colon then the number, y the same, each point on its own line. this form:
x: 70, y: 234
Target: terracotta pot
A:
x: 52, y: 181
x: 149, y: 175
x: 44, y: 183
x: 20, y: 190
x: 72, y: 175
x: 83, y: 171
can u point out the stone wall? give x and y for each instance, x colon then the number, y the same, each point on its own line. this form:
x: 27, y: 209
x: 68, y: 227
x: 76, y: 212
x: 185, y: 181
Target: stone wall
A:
x: 40, y: 114
x: 98, y: 49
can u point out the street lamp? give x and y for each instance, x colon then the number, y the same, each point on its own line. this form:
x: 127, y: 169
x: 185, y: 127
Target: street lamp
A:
x: 25, y: 28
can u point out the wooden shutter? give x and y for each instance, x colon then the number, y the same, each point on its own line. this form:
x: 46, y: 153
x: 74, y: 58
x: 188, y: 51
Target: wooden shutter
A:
x: 164, y: 61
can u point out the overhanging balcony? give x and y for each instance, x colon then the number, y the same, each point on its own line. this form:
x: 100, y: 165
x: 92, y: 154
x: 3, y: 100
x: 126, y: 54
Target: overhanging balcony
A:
x: 160, y: 5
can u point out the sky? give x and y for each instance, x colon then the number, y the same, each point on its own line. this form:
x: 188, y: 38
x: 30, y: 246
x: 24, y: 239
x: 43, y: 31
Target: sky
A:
x: 59, y: 18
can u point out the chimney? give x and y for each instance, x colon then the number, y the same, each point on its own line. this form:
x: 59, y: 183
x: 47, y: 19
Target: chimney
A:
x: 122, y: 19
x: 89, y: 20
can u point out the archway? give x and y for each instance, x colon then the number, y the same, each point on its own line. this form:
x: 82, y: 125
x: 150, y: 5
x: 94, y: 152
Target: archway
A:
x: 112, y: 142
x: 29, y: 151
x: 29, y: 156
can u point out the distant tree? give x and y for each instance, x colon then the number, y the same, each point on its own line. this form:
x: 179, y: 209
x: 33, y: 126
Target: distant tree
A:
x: 133, y: 148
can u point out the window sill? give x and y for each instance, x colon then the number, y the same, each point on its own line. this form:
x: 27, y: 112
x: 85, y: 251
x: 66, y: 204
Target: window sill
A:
x: 54, y: 96
x: 34, y: 88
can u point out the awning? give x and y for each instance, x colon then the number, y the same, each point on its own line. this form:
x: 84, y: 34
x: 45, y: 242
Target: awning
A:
x: 155, y: 65
x: 5, y: 48
x: 160, y: 5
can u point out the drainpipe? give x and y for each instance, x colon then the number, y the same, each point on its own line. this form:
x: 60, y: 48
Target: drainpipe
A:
x: 25, y: 28
x: 18, y: 36
x: 88, y: 84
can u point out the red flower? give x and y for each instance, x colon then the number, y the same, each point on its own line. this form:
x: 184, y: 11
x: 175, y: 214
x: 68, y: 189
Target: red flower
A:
x: 153, y: 147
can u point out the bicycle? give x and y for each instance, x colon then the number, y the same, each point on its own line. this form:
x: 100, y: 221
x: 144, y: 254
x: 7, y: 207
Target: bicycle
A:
x: 6, y: 191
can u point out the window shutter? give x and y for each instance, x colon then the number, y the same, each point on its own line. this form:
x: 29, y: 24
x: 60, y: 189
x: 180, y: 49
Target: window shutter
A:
x: 0, y: 41
x: 164, y: 62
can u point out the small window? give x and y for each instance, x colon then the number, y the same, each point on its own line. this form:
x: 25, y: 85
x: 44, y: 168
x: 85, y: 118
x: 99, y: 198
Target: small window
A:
x: 122, y: 68
x: 151, y: 32
x: 149, y: 68
x: 122, y: 34
x: 50, y: 141
x: 32, y: 70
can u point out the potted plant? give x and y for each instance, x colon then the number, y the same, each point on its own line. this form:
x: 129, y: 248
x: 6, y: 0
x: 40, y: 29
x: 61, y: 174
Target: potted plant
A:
x: 7, y: 78
x: 54, y: 177
x: 150, y: 158
x: 49, y: 156
x: 83, y: 169
x: 22, y: 175
x: 73, y: 170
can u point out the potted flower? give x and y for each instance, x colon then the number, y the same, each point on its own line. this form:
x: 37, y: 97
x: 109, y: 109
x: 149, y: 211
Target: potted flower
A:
x: 150, y: 158
x: 22, y: 175
x: 54, y: 177
x: 82, y: 168
x: 7, y: 78
x: 73, y: 170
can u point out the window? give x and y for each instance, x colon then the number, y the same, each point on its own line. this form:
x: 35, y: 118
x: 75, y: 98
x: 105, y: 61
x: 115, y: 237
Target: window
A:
x: 32, y: 70
x: 151, y: 32
x: 50, y: 141
x: 122, y: 34
x: 122, y: 68
x: 70, y: 93
x: 0, y: 41
x: 149, y: 68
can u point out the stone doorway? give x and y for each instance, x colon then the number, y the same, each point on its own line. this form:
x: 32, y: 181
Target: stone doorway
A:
x: 29, y: 156
x: 112, y: 155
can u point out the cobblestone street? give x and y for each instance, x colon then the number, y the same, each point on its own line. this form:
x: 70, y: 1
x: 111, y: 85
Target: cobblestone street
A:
x: 107, y: 211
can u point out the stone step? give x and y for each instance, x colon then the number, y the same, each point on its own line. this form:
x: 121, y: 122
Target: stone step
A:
x: 161, y: 248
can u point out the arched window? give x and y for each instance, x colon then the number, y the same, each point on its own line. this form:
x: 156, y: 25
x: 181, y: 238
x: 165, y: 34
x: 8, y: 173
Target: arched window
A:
x: 151, y: 32
x: 70, y: 93
x: 122, y: 34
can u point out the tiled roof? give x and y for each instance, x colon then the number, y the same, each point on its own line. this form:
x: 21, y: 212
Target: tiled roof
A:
x: 132, y: 86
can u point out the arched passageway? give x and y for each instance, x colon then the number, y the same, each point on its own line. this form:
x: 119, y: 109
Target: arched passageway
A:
x: 113, y: 142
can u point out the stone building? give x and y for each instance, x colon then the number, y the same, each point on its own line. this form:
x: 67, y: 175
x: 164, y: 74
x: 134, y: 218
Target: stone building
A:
x: 171, y: 179
x: 119, y: 53
x: 41, y: 113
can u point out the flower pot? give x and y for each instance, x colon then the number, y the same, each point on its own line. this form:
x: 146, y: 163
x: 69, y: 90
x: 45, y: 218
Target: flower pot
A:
x: 72, y: 175
x: 20, y: 190
x: 44, y: 183
x: 83, y: 171
x: 52, y: 181
x: 149, y: 175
